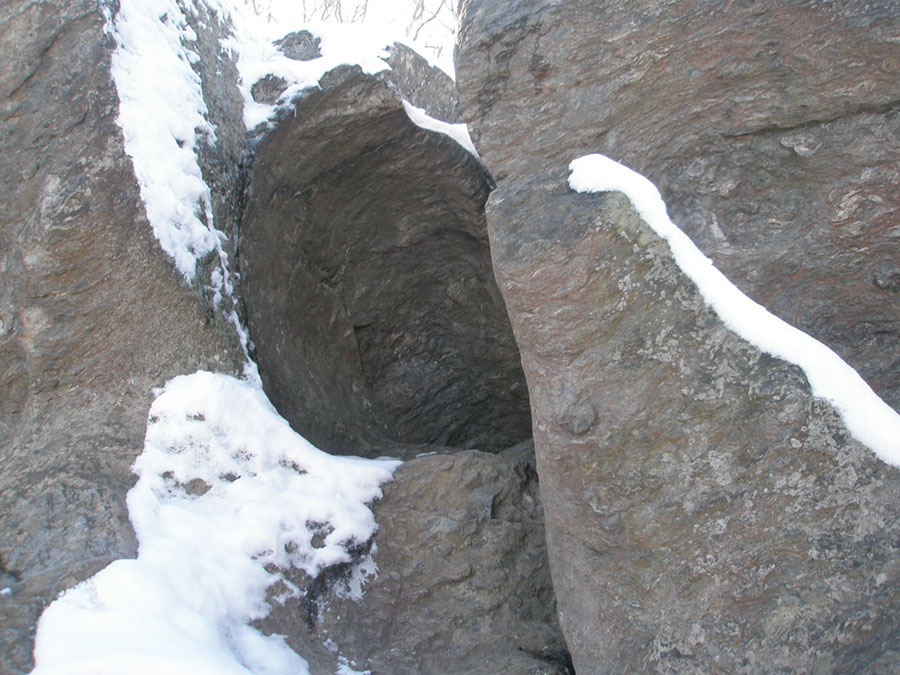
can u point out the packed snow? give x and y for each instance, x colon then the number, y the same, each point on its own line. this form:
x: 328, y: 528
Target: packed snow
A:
x: 162, y: 132
x: 228, y: 497
x: 868, y: 418
x: 429, y: 27
x: 459, y: 132
x: 253, y: 43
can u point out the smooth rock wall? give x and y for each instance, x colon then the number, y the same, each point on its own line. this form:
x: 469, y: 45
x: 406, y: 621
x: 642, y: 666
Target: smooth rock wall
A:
x: 368, y: 283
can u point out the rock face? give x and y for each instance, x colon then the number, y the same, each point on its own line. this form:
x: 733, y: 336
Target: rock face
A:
x: 368, y: 284
x: 393, y: 268
x: 379, y: 328
x: 704, y: 513
x: 93, y: 315
x: 771, y: 129
x: 463, y: 583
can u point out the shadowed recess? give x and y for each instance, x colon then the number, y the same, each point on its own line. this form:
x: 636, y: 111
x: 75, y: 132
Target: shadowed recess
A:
x: 368, y: 282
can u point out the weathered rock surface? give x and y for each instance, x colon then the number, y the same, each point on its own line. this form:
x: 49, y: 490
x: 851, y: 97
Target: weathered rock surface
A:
x: 463, y: 584
x: 368, y: 284
x: 424, y: 86
x: 771, y: 129
x: 93, y: 314
x: 704, y: 513
x: 300, y: 45
x: 379, y: 328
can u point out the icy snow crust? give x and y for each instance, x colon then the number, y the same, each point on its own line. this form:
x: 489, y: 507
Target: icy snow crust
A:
x: 163, y: 119
x: 228, y: 496
x: 870, y: 420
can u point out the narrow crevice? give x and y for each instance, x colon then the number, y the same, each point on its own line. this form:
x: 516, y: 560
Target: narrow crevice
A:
x: 854, y: 111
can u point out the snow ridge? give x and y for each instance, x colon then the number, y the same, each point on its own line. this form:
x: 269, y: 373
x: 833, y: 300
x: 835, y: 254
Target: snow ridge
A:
x: 871, y: 421
x: 459, y: 132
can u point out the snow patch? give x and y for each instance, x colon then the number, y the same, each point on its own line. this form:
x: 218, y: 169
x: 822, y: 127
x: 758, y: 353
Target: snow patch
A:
x: 870, y: 420
x: 458, y: 132
x: 253, y: 43
x: 162, y: 115
x: 340, y: 44
x: 228, y: 498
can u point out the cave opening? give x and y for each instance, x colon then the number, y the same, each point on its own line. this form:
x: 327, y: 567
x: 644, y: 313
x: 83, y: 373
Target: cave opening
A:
x: 368, y: 286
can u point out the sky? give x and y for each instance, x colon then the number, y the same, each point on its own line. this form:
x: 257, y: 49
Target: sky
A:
x: 396, y: 17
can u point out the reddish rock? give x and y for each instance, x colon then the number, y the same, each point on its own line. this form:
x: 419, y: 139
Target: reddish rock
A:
x: 93, y: 315
x: 771, y: 128
x: 704, y: 513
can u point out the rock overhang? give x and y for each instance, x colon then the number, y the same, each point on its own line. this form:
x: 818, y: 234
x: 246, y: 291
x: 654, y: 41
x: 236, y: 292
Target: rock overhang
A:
x: 367, y: 277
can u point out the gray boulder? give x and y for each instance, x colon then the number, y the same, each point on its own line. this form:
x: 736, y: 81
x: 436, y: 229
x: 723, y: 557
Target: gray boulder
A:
x: 367, y: 278
x: 300, y: 45
x: 463, y: 584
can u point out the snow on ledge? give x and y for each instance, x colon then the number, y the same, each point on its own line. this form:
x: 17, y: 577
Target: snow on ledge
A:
x: 228, y: 496
x: 458, y: 132
x: 253, y: 42
x: 162, y: 115
x: 870, y: 420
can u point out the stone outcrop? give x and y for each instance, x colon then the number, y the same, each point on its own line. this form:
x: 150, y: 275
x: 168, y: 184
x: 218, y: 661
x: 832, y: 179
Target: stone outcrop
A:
x: 704, y: 513
x: 771, y: 129
x: 93, y: 314
x: 368, y: 284
x: 462, y: 586
x: 378, y: 328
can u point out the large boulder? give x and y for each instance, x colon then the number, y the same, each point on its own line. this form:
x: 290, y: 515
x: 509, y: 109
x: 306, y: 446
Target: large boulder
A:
x: 93, y: 315
x: 367, y: 277
x: 378, y: 328
x: 462, y: 583
x: 704, y: 512
x: 771, y: 129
